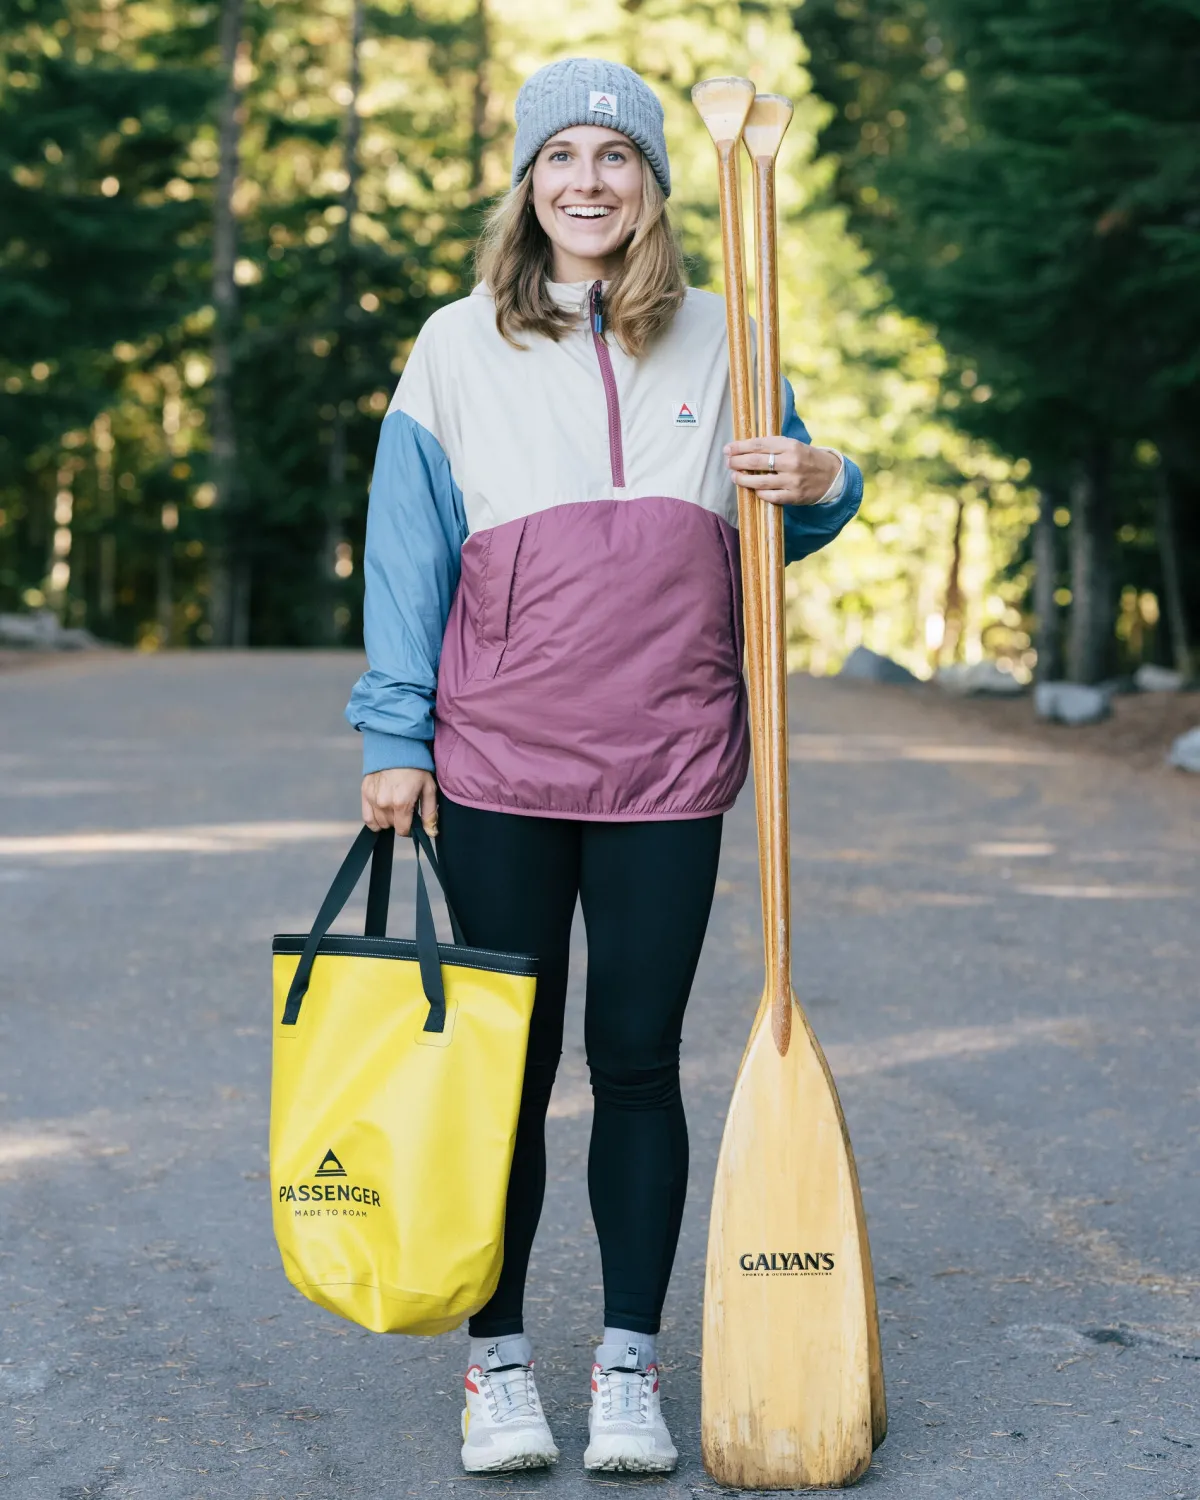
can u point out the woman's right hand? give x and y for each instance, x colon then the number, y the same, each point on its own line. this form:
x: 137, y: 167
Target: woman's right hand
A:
x: 390, y: 797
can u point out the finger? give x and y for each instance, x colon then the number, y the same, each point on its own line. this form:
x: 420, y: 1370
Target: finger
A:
x: 758, y: 460
x: 429, y: 808
x: 766, y: 484
x: 783, y: 497
x: 757, y: 445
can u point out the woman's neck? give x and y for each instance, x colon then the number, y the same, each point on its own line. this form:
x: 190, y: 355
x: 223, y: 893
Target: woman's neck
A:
x: 571, y: 268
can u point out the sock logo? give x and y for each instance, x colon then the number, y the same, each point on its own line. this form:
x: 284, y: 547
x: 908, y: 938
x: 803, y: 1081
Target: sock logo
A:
x: 601, y: 103
x: 330, y: 1166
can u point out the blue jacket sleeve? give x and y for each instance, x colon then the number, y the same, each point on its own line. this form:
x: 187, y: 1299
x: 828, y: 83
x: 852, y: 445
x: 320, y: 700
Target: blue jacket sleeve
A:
x: 808, y: 528
x: 416, y: 526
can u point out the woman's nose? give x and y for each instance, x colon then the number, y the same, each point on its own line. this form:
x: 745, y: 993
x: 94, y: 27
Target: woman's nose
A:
x: 587, y: 178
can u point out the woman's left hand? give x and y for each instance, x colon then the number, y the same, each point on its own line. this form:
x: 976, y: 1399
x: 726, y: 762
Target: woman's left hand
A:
x: 801, y: 474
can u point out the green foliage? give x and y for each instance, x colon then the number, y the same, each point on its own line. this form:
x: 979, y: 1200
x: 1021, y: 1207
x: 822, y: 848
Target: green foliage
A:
x: 1025, y: 174
x: 1005, y: 182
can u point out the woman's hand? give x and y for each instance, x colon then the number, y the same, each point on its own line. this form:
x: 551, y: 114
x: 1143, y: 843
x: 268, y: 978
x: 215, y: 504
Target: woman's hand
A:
x: 389, y: 798
x: 801, y: 476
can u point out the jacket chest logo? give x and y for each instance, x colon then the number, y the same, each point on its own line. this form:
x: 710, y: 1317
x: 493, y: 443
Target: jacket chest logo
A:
x: 685, y: 413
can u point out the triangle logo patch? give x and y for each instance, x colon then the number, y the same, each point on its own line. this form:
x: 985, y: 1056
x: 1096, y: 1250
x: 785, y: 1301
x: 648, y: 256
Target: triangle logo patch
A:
x: 331, y: 1167
x: 687, y: 413
x: 602, y: 104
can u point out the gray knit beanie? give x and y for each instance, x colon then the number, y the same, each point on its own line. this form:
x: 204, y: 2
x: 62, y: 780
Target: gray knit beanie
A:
x: 589, y: 91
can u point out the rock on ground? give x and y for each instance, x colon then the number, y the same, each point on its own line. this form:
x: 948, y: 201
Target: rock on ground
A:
x: 1185, y: 752
x: 1071, y: 702
x: 869, y: 666
x: 1151, y: 679
x: 42, y: 631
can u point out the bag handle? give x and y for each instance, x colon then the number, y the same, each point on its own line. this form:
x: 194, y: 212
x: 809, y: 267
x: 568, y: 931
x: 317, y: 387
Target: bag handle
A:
x: 378, y: 848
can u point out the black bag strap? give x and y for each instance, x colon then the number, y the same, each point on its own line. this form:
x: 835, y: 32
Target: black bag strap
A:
x: 378, y: 848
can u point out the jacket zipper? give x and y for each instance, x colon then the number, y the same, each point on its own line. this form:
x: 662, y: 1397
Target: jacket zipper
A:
x: 616, y: 454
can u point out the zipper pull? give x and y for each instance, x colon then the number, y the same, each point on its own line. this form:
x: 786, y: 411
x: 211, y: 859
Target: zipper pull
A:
x: 597, y: 307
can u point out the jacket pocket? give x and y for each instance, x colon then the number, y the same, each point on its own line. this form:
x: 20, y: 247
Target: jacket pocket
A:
x: 498, y: 570
x: 733, y: 556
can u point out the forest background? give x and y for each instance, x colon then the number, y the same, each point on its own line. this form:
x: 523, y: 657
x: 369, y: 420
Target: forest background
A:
x: 222, y: 224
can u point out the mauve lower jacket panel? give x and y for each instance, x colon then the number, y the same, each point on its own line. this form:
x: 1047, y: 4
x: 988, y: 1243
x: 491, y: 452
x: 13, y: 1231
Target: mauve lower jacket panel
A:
x: 580, y: 677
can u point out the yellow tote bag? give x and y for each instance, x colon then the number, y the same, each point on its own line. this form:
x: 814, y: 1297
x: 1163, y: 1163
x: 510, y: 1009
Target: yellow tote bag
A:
x: 395, y: 1084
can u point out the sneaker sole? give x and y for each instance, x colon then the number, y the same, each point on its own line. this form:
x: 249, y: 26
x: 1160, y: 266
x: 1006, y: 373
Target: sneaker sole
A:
x: 616, y: 1462
x: 511, y: 1464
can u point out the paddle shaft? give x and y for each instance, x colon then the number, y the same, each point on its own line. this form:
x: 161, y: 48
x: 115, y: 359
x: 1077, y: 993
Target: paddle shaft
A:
x: 771, y: 763
x: 737, y: 316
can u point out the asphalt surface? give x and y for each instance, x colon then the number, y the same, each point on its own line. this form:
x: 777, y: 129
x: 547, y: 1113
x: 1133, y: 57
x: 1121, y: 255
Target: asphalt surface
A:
x: 997, y: 942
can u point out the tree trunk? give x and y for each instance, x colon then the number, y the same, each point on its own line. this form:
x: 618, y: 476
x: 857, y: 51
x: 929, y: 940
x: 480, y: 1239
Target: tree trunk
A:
x: 1092, y: 640
x: 1175, y: 606
x: 106, y: 579
x: 225, y: 613
x: 1048, y: 640
x: 479, y: 100
x: 165, y: 588
x: 335, y: 501
x: 952, y: 639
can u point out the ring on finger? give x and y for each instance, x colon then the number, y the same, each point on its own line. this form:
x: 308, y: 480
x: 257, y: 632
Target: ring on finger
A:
x: 771, y: 462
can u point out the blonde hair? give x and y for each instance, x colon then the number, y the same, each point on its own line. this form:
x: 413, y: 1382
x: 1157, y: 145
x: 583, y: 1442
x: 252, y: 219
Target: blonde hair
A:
x: 515, y: 259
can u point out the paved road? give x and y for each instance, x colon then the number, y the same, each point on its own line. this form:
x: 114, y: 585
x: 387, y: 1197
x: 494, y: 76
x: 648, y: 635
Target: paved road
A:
x: 998, y: 945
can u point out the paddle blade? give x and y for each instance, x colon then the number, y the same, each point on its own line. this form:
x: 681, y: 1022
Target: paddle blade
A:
x: 723, y: 103
x: 766, y: 124
x: 786, y: 1374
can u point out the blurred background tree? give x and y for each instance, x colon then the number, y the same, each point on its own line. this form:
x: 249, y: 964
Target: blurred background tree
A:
x: 223, y: 223
x: 1026, y: 175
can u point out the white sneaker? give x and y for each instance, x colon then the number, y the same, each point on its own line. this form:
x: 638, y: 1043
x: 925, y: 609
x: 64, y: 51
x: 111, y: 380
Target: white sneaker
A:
x: 503, y: 1425
x: 625, y: 1425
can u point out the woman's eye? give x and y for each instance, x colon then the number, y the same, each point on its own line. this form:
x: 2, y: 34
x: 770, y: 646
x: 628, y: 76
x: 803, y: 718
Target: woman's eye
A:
x: 560, y: 156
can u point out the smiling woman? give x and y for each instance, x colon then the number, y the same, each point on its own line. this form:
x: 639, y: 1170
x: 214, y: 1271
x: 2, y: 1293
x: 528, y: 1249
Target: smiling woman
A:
x: 553, y: 624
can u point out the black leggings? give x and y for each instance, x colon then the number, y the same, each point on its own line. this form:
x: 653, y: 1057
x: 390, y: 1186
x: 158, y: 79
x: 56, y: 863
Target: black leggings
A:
x: 646, y: 890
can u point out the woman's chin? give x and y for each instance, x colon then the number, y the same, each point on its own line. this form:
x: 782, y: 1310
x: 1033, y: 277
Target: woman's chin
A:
x: 589, y: 246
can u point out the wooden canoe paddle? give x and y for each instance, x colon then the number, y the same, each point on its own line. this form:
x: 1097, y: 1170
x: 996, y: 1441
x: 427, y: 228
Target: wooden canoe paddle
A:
x: 763, y: 133
x: 791, y: 1385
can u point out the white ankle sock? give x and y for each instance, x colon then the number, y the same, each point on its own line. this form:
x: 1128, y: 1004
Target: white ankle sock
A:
x: 624, y: 1349
x: 508, y: 1349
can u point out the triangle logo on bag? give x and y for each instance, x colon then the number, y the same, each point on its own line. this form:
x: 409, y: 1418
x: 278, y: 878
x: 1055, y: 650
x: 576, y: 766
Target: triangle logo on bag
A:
x: 330, y: 1167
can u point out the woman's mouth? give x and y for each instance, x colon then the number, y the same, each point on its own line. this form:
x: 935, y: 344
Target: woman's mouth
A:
x: 587, y: 210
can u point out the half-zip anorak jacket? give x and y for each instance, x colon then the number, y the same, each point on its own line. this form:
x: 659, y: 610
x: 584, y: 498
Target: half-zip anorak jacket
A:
x: 553, y: 615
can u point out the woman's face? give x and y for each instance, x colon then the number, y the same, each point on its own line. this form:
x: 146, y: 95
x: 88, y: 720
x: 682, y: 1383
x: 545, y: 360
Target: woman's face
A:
x: 587, y: 195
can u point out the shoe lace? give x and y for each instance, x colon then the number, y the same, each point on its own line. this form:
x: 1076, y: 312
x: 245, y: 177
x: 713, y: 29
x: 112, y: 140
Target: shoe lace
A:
x: 625, y: 1394
x: 511, y: 1393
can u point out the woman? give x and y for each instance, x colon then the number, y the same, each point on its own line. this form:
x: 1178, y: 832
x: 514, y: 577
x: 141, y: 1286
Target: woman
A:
x: 553, y: 582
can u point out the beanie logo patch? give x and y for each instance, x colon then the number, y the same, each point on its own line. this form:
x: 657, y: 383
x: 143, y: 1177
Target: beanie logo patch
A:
x: 687, y: 413
x: 602, y: 104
